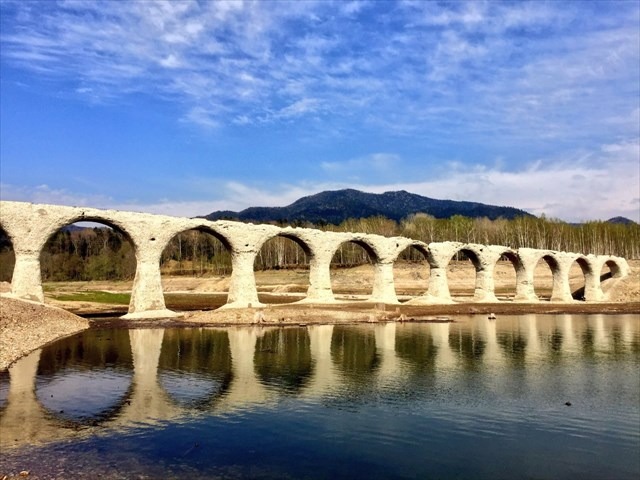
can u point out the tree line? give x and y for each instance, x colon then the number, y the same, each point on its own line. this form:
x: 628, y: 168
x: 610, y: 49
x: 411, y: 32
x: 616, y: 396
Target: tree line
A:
x: 106, y: 254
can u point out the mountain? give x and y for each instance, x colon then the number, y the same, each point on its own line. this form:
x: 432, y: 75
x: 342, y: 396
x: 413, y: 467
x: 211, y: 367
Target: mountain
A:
x: 621, y: 220
x: 336, y: 206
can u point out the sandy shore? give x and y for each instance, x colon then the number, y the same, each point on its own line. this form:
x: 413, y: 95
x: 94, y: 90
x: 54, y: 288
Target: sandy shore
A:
x: 26, y: 326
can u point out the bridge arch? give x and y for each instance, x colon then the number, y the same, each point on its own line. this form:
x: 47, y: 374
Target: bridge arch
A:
x: 282, y: 250
x: 413, y: 261
x: 101, y: 251
x: 581, y: 288
x: 519, y: 276
x: 210, y: 253
x: 474, y: 254
x: 345, y: 256
x: 541, y: 285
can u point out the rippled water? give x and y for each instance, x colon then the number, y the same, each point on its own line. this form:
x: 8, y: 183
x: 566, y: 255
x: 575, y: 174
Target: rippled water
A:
x: 470, y: 399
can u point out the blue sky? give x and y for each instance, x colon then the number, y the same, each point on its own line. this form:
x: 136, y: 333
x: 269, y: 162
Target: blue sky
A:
x: 188, y: 107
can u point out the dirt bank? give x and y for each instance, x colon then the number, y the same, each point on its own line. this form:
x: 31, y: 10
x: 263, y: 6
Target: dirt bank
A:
x: 26, y: 326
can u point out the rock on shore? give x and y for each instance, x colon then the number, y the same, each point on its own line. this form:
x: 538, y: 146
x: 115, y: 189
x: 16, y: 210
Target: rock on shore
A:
x: 26, y: 326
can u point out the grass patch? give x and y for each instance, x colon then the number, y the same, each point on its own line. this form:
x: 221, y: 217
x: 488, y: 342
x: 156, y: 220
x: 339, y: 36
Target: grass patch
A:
x: 96, y: 296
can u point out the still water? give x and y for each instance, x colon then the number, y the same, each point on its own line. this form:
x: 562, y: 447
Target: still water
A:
x: 534, y: 396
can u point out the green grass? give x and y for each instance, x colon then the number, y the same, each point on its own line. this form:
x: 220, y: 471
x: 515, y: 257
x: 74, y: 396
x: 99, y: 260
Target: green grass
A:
x: 96, y: 296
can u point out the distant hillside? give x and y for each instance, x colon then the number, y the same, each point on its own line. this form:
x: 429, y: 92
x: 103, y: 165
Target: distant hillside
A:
x: 621, y: 220
x: 336, y: 206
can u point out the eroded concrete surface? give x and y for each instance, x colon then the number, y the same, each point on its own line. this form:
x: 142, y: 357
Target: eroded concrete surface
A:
x: 30, y: 225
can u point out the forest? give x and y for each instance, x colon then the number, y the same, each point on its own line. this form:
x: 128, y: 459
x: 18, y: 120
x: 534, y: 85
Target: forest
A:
x: 101, y: 253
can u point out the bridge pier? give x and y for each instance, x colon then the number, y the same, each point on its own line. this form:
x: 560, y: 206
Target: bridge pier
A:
x: 320, y: 290
x: 242, y: 290
x: 26, y: 282
x: 529, y: 258
x: 439, y: 256
x: 485, y: 284
x: 147, y: 296
x: 561, y: 288
x: 384, y: 288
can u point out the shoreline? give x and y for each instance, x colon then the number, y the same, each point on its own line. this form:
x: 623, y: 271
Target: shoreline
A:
x: 26, y: 326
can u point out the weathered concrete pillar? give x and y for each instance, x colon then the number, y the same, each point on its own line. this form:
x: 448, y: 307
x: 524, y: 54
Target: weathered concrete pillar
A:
x: 439, y: 257
x: 592, y: 290
x: 242, y: 290
x: 488, y: 256
x: 147, y: 296
x: 529, y: 258
x: 525, y: 265
x: 561, y: 288
x: 384, y: 289
x: 27, y: 279
x: 320, y: 290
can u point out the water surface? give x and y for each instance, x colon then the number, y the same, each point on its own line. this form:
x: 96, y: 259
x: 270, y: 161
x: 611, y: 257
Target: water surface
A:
x: 534, y: 396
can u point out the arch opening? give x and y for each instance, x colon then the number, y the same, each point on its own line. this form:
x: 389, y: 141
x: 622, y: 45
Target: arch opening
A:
x: 543, y: 277
x: 578, y: 273
x: 7, y: 260
x: 461, y: 275
x: 411, y: 273
x: 609, y: 275
x: 282, y: 269
x: 195, y: 266
x: 352, y: 270
x: 505, y: 276
x: 89, y: 260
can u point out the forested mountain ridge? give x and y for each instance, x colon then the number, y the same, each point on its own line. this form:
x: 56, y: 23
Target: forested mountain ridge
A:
x: 334, y: 207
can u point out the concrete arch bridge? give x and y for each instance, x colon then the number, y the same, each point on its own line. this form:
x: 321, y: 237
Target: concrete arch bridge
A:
x: 30, y: 225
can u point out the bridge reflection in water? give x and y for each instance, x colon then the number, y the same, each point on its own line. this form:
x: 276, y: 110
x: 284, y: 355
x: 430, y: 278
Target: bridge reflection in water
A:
x: 109, y: 380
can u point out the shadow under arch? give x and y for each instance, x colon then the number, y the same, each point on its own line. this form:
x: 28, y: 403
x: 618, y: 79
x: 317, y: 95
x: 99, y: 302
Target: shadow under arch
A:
x: 509, y: 284
x: 578, y: 283
x: 283, y: 251
x: 7, y: 256
x: 610, y: 278
x: 198, y: 251
x: 282, y: 359
x: 83, y: 355
x: 350, y: 254
x: 462, y: 288
x: 412, y: 262
x: 194, y: 368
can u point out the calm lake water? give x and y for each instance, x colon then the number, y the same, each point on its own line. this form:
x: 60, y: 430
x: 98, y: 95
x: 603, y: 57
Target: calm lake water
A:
x: 471, y: 399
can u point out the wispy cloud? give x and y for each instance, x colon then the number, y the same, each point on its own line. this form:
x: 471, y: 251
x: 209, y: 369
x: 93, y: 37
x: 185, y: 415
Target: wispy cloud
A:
x: 584, y: 185
x: 515, y: 64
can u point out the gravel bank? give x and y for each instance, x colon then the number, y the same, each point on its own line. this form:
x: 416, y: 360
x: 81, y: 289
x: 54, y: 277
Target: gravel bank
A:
x: 26, y: 326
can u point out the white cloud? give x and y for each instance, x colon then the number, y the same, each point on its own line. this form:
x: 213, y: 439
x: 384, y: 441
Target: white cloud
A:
x: 594, y: 185
x: 486, y: 60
